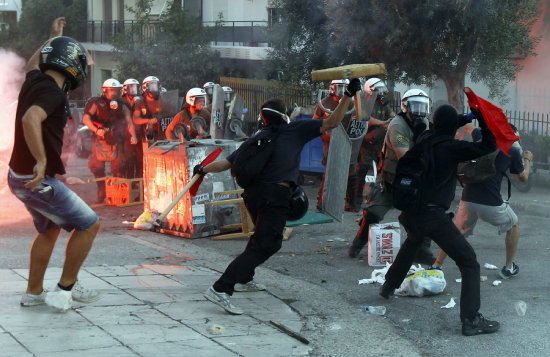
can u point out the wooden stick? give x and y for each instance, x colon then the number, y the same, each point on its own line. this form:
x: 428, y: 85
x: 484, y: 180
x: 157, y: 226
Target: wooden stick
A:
x: 289, y: 332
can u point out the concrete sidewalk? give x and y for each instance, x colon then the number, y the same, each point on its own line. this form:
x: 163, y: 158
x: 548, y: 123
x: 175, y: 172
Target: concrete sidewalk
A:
x: 147, y: 310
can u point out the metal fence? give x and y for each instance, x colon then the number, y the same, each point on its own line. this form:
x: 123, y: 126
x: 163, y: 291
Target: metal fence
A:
x: 530, y: 123
x: 255, y: 92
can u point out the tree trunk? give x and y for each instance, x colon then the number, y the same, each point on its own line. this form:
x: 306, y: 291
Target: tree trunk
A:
x: 454, y: 91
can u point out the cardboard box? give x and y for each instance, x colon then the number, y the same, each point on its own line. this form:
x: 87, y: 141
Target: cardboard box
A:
x: 384, y: 243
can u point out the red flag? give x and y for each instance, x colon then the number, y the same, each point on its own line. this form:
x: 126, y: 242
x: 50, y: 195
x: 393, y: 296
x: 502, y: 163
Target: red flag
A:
x: 210, y: 158
x: 495, y: 119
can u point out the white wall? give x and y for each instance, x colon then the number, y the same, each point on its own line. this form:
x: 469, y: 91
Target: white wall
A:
x: 235, y: 10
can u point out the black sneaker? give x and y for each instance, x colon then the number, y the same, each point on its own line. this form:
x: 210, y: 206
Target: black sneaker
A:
x: 506, y: 273
x: 386, y: 291
x: 479, y: 325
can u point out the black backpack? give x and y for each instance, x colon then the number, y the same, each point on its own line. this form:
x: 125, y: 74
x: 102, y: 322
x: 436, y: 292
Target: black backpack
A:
x: 414, y: 176
x: 253, y: 156
x: 478, y: 169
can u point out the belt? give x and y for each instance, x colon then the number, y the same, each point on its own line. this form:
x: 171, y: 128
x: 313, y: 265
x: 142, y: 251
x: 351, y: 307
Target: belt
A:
x: 20, y: 176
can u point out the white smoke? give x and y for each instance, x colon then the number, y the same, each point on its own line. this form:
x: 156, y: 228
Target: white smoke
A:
x: 11, y: 77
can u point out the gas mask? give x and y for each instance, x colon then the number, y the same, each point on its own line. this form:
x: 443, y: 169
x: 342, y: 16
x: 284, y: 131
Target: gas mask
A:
x: 113, y: 104
x: 284, y: 117
x: 382, y: 100
x: 152, y: 89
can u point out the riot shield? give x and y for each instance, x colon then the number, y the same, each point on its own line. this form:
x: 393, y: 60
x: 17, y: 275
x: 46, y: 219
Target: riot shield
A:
x: 336, y: 174
x: 217, y: 120
x: 343, y: 153
x: 233, y: 124
x: 169, y: 101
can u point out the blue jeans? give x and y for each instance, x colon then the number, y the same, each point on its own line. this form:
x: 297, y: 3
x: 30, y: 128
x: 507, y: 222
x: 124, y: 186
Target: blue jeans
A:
x: 52, y: 204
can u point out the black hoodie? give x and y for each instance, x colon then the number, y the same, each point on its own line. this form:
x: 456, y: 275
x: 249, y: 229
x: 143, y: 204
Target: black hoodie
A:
x: 449, y: 153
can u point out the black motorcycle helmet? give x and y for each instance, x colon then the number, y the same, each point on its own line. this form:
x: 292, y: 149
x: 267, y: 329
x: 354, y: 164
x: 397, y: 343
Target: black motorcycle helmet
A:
x: 298, y: 204
x: 66, y: 55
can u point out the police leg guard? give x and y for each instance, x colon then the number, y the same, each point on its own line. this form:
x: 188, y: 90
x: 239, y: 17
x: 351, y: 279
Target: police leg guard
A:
x: 362, y: 236
x: 351, y: 205
x: 424, y: 254
x: 100, y: 192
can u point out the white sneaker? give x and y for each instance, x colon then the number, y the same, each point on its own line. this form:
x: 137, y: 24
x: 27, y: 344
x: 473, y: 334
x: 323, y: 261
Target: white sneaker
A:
x: 33, y: 300
x: 59, y: 299
x: 249, y: 287
x: 223, y: 300
x: 85, y: 295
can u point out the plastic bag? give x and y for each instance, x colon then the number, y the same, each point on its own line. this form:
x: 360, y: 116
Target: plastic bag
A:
x: 422, y: 283
x: 146, y: 220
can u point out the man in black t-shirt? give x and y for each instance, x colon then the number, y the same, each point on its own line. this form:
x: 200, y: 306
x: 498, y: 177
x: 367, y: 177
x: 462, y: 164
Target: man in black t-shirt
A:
x: 268, y: 197
x: 36, y: 159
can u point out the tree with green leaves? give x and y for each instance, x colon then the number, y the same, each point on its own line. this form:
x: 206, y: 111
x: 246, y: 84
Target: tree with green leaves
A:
x: 36, y: 18
x: 177, y: 53
x: 301, y: 40
x: 421, y: 41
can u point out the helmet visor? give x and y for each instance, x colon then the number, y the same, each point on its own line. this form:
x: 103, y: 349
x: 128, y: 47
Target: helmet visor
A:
x: 338, y: 89
x: 152, y: 87
x: 131, y: 89
x: 419, y: 106
x: 380, y: 88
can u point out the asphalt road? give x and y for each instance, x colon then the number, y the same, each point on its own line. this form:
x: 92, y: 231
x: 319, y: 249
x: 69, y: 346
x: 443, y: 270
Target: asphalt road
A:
x: 317, y: 255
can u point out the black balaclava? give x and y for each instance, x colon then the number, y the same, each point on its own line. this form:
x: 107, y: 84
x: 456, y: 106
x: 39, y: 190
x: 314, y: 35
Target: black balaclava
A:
x: 445, y: 120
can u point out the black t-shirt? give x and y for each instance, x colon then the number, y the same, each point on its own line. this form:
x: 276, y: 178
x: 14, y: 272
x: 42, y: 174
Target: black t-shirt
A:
x: 285, y: 162
x: 41, y: 90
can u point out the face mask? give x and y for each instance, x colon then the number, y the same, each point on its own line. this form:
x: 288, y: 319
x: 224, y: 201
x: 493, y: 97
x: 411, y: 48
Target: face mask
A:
x: 113, y: 104
x: 283, y: 116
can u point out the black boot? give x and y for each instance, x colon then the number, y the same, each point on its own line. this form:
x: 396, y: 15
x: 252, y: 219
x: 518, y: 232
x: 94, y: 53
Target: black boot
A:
x: 424, y: 254
x: 362, y: 236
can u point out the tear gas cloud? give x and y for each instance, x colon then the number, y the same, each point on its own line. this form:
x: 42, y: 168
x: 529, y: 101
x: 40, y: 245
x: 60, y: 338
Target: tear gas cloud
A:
x: 11, y: 78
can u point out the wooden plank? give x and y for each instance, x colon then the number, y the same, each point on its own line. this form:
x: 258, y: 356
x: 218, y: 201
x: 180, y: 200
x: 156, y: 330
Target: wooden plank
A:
x: 232, y: 235
x: 224, y: 202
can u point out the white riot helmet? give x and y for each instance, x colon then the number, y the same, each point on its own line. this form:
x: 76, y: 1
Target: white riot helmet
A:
x: 151, y: 86
x: 209, y: 88
x: 111, y: 83
x: 130, y: 87
x: 338, y: 87
x: 377, y: 84
x: 417, y: 102
x: 193, y: 94
x: 227, y: 93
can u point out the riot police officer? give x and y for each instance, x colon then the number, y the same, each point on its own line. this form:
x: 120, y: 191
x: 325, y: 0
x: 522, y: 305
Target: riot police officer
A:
x: 108, y: 117
x: 194, y: 117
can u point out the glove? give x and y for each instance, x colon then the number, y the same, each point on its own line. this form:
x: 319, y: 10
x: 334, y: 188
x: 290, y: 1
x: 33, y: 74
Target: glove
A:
x: 198, y: 169
x: 353, y: 87
x: 464, y: 119
x: 480, y: 118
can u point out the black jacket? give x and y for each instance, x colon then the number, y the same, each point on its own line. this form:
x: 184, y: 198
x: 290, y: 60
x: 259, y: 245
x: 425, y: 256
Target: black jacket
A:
x: 447, y: 155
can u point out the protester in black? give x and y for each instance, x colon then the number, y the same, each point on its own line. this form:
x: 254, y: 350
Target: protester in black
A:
x: 432, y: 221
x: 267, y: 199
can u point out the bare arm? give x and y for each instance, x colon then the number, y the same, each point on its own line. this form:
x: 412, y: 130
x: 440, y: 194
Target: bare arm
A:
x: 337, y: 116
x: 217, y: 166
x: 87, y: 120
x: 32, y: 129
x: 130, y: 125
x: 56, y: 30
x: 527, y: 157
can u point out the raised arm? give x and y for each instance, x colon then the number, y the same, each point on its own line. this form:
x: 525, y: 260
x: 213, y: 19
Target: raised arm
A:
x: 55, y: 31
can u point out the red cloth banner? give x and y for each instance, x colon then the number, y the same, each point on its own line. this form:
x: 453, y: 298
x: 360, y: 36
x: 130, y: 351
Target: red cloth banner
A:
x: 495, y: 119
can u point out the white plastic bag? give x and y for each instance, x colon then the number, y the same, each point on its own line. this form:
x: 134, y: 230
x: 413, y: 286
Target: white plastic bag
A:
x: 146, y: 220
x: 422, y: 283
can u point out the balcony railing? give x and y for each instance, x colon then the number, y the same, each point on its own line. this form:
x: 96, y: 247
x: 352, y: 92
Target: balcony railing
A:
x: 240, y: 33
x: 229, y: 33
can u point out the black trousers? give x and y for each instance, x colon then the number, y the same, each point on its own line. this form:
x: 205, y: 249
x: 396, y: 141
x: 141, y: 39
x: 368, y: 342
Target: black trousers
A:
x: 268, y: 206
x: 438, y: 225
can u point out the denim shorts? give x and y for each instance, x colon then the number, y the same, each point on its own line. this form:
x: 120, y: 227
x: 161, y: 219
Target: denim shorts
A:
x: 52, y: 204
x: 502, y: 217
